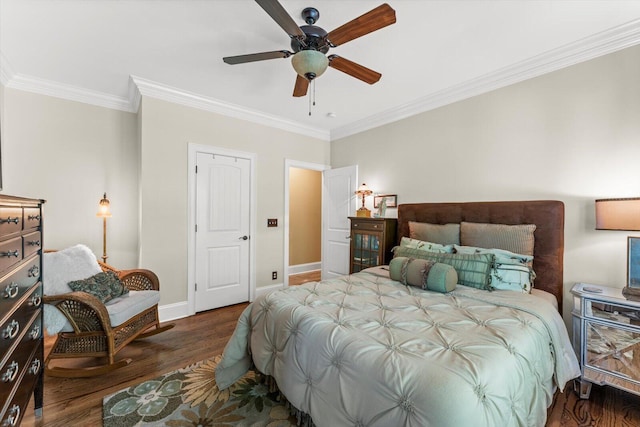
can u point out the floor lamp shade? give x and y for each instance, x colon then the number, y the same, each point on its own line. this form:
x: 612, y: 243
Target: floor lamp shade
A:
x: 618, y: 214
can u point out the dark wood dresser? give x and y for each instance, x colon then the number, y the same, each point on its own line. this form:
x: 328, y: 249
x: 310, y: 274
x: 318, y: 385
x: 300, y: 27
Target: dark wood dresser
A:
x: 21, y: 329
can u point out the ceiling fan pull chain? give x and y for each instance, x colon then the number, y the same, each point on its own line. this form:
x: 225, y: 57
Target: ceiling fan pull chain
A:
x: 309, y: 96
x: 314, y: 92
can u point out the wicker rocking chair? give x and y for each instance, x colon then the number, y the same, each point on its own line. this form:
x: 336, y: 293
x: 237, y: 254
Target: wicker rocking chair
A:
x: 93, y: 335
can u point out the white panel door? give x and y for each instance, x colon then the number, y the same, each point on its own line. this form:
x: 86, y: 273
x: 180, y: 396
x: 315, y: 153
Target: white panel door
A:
x: 222, y: 230
x: 338, y: 203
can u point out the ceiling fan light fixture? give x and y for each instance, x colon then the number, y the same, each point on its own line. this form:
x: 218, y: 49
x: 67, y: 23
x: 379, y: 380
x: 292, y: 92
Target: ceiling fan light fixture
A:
x: 309, y: 63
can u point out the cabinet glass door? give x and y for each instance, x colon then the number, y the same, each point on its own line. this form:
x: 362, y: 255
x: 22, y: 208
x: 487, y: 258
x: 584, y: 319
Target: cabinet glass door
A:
x: 365, y: 251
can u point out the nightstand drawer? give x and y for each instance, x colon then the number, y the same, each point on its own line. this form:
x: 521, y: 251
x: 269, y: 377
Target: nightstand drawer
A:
x: 612, y: 350
x: 618, y: 314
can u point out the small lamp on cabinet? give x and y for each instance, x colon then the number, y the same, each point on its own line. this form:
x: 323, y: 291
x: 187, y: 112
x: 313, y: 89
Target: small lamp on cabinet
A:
x: 363, y: 191
x: 624, y: 215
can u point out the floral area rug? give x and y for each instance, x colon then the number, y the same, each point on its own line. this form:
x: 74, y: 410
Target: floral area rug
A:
x: 190, y: 397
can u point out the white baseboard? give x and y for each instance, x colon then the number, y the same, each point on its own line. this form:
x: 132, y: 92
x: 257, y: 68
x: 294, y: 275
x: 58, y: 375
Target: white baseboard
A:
x: 305, y: 268
x: 174, y: 311
x: 179, y: 310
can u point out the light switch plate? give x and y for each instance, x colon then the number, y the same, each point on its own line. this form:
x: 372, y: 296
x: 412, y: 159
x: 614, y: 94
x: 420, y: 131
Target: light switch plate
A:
x: 272, y: 222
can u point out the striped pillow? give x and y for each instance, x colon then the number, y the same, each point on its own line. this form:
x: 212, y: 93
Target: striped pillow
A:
x: 514, y: 238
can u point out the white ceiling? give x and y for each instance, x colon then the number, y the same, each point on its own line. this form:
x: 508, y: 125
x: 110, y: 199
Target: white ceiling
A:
x: 108, y: 52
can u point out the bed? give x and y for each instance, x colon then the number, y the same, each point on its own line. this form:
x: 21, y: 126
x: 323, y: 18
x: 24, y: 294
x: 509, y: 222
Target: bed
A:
x: 367, y: 350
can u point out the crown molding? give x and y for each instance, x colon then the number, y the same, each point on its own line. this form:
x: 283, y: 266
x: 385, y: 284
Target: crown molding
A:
x: 144, y: 87
x: 591, y: 47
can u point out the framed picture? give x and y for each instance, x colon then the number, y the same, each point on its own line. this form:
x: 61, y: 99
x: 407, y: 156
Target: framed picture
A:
x: 392, y: 200
x: 633, y: 262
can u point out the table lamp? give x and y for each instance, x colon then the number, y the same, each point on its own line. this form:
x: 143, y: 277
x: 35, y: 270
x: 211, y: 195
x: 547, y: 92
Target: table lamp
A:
x: 363, y: 191
x: 623, y: 214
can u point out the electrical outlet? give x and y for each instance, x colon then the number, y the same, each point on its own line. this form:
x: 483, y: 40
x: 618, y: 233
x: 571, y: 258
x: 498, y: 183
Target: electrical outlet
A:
x: 274, y: 275
x: 272, y: 222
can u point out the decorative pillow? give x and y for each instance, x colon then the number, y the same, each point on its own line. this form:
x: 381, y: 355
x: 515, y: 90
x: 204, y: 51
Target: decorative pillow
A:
x: 105, y: 286
x: 407, y: 242
x: 473, y: 270
x: 514, y: 238
x: 444, y: 234
x: 61, y: 267
x: 424, y: 274
x: 511, y: 271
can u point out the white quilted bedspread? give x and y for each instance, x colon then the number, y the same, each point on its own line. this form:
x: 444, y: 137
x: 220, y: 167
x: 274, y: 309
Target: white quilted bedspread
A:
x: 363, y: 350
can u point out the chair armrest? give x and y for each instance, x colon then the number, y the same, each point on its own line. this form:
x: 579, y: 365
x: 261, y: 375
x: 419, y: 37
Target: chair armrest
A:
x: 140, y: 280
x: 84, y: 311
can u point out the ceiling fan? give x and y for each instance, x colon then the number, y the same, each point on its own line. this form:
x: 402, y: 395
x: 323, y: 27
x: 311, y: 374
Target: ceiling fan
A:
x: 310, y: 43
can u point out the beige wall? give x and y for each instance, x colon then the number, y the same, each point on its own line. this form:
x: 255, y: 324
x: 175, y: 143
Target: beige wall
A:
x: 305, y: 216
x: 69, y: 153
x: 166, y: 130
x: 572, y: 135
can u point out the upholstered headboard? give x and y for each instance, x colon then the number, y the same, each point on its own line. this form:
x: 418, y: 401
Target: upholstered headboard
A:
x: 547, y: 215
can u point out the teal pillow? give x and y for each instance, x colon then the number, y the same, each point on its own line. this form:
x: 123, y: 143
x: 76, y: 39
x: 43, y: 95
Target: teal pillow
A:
x: 407, y: 242
x: 429, y: 275
x: 473, y: 270
x: 105, y: 286
x: 511, y: 271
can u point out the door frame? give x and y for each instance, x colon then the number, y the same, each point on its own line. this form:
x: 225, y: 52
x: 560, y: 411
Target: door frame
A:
x: 193, y: 150
x: 288, y: 164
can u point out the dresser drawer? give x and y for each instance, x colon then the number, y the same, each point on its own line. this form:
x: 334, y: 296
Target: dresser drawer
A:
x: 16, y: 324
x: 19, y: 358
x: 368, y: 226
x: 10, y: 253
x: 31, y: 243
x: 10, y: 220
x: 617, y: 314
x: 31, y: 218
x: 17, y: 399
x: 17, y: 282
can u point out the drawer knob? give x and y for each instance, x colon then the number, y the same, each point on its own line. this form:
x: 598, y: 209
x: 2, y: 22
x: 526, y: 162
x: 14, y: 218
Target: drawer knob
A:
x: 11, y: 373
x: 35, y: 367
x: 33, y: 243
x: 33, y: 217
x: 9, y: 254
x: 14, y: 416
x: 8, y: 220
x: 35, y: 332
x: 11, y: 330
x: 11, y: 291
x: 35, y: 300
x: 34, y: 271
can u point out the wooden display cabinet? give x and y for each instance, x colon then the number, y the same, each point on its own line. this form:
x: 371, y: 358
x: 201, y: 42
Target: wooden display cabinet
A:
x: 371, y: 242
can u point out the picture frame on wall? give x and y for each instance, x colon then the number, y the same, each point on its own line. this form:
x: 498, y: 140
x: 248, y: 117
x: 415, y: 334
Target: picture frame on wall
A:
x: 633, y: 262
x: 392, y: 200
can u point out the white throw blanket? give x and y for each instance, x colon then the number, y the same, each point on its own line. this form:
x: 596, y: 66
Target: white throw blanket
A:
x: 61, y: 267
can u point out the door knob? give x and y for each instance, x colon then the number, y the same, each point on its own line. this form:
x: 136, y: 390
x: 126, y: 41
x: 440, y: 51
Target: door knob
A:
x: 243, y: 238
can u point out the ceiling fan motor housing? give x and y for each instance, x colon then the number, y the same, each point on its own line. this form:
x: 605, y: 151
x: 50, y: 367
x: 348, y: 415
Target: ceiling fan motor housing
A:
x: 316, y: 40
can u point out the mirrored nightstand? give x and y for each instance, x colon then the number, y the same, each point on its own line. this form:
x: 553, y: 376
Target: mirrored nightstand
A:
x: 606, y: 338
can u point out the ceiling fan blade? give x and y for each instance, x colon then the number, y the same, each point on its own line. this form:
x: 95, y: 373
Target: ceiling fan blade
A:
x: 354, y: 70
x: 371, y: 21
x: 241, y: 59
x: 282, y: 18
x: 301, y: 87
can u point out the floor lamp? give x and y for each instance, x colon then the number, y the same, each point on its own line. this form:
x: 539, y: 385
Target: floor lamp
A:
x: 104, y: 213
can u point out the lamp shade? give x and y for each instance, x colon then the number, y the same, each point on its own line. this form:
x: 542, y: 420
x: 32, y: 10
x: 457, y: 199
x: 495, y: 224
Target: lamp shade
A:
x: 309, y: 63
x: 618, y: 214
x: 103, y: 208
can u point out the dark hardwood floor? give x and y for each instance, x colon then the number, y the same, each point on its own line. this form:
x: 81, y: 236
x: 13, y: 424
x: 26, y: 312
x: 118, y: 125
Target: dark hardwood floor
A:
x: 78, y: 402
